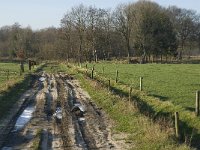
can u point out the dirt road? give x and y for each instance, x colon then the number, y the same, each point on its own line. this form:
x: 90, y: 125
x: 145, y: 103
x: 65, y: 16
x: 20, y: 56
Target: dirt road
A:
x: 63, y: 117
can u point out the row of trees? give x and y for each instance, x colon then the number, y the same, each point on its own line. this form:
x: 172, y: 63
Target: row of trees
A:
x: 143, y: 29
x: 139, y: 29
x: 16, y: 41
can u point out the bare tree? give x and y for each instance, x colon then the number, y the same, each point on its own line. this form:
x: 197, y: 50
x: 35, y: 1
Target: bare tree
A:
x: 106, y: 25
x: 68, y: 30
x: 123, y: 21
x: 183, y: 20
x: 92, y: 19
x: 79, y: 20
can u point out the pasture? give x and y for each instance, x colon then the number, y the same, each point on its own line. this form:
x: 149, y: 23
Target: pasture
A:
x: 167, y: 88
x: 8, y: 71
x: 176, y: 83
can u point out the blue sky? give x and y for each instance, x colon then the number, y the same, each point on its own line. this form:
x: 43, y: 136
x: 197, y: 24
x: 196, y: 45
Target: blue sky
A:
x: 44, y: 13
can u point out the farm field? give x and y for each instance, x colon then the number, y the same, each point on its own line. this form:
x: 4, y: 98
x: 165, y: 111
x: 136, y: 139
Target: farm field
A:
x: 166, y: 90
x: 8, y: 69
x: 177, y: 83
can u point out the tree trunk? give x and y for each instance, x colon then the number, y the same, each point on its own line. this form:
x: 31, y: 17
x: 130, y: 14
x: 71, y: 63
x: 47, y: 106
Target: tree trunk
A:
x: 152, y: 58
x: 80, y: 49
x: 149, y: 58
x: 146, y: 58
x: 96, y: 57
x: 29, y: 64
x: 199, y: 45
x: 22, y: 66
x: 182, y: 48
x: 128, y: 50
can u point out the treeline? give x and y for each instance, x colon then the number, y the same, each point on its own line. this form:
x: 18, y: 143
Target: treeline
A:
x: 143, y: 30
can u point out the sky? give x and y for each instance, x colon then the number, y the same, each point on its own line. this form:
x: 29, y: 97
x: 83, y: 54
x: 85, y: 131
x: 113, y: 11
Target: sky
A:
x: 40, y: 14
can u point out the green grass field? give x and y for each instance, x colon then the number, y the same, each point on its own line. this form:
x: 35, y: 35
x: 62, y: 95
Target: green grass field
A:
x: 8, y: 69
x: 168, y: 88
x: 177, y: 83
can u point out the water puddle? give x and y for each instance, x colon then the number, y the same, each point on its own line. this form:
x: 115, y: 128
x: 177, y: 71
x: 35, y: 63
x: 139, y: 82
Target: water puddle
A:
x: 14, y: 137
x: 24, y: 118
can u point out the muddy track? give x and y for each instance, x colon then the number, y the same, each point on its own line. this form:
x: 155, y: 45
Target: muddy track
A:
x: 82, y: 126
x: 85, y: 132
x: 93, y: 128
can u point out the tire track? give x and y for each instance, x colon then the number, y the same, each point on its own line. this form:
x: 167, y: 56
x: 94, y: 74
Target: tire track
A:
x: 83, y: 128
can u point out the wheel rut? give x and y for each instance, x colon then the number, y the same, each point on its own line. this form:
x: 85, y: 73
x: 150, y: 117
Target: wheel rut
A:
x: 65, y: 118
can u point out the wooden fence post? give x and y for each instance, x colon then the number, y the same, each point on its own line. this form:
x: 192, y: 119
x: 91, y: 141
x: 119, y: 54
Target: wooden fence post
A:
x: 103, y: 70
x: 197, y: 103
x: 86, y: 67
x: 22, y: 66
x: 177, y: 124
x: 29, y: 64
x: 117, y: 73
x: 92, y: 75
x: 130, y: 91
x: 141, y: 78
x: 8, y: 74
x: 108, y: 85
x: 93, y: 67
